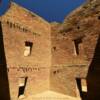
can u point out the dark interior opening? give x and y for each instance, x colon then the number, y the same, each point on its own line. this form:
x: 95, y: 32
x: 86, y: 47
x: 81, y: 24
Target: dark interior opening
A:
x: 78, y: 81
x: 14, y: 25
x: 83, y: 94
x: 11, y: 25
x: 99, y: 17
x: 56, y: 71
x: 29, y: 44
x: 22, y: 88
x: 78, y: 27
x: 54, y: 48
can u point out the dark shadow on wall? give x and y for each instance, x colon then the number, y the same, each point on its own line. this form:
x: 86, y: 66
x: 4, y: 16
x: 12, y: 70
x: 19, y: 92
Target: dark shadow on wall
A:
x: 4, y: 84
x: 93, y: 77
x: 83, y: 95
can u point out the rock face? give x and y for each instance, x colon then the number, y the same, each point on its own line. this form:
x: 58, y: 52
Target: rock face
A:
x: 73, y: 44
x: 24, y: 32
x: 59, y: 57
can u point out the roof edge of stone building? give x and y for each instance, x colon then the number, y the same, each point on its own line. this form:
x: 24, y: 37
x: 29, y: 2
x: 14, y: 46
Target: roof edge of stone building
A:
x: 25, y: 9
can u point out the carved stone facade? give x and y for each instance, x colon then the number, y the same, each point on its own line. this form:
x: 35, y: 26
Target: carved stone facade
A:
x: 47, y: 60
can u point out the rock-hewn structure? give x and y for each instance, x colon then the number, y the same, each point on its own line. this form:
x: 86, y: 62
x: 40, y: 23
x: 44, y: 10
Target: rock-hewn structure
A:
x: 53, y: 58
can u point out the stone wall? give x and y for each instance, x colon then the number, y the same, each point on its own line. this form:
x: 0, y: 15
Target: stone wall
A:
x: 20, y: 26
x: 60, y: 54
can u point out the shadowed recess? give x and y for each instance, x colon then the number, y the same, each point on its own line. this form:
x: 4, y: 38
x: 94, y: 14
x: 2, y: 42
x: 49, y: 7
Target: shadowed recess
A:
x: 93, y: 77
x: 4, y: 84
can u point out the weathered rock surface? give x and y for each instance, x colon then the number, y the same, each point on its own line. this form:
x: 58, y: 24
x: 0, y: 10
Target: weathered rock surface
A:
x: 61, y: 53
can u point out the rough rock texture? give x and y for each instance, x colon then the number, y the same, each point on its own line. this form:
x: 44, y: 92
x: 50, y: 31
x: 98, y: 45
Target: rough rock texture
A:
x: 61, y: 53
x: 19, y: 26
x: 82, y: 27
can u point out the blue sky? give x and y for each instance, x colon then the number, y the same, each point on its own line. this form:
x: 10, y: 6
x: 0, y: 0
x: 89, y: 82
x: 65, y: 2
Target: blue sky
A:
x: 50, y: 10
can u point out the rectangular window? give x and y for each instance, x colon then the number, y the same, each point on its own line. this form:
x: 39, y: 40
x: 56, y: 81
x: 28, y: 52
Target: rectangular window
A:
x: 77, y: 46
x: 21, y: 91
x: 22, y: 85
x: 81, y: 87
x: 28, y: 48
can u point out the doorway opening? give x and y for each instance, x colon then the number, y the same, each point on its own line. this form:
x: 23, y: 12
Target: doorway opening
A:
x: 22, y: 85
x: 77, y: 44
x: 82, y: 87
